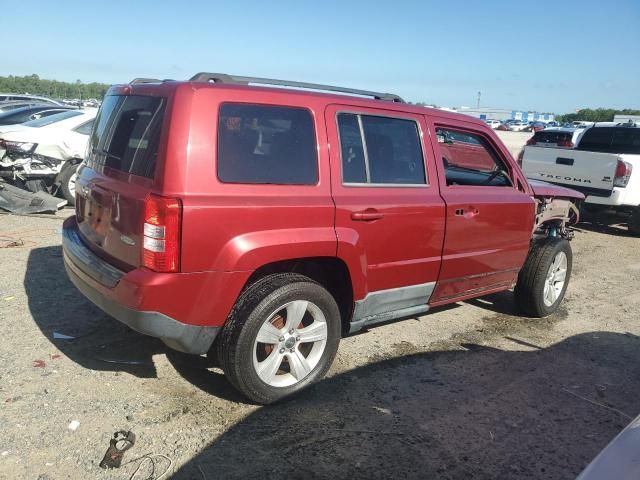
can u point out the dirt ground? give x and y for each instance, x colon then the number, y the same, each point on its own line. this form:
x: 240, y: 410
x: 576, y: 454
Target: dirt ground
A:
x: 514, y: 140
x: 468, y: 391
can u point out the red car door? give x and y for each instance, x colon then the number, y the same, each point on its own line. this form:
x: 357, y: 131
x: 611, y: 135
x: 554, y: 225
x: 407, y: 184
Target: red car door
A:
x: 389, y: 213
x: 489, y: 214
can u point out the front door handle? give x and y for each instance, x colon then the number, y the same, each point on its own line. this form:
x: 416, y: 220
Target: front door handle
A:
x: 469, y: 213
x: 368, y: 215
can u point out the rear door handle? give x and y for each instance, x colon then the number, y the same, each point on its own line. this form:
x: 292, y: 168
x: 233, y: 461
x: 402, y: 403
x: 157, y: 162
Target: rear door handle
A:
x: 368, y: 215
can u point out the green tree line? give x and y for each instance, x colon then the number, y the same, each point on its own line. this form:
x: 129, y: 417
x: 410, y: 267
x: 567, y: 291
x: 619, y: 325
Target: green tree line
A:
x: 595, y: 115
x: 35, y: 85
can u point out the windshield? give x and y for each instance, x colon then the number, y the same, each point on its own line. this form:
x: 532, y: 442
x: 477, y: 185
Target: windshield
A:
x: 41, y: 122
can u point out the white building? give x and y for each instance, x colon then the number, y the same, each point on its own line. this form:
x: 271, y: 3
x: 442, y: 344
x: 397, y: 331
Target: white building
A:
x: 626, y: 118
x: 488, y: 113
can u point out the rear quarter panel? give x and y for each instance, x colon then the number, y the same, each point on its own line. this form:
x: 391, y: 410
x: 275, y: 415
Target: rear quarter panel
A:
x: 241, y: 227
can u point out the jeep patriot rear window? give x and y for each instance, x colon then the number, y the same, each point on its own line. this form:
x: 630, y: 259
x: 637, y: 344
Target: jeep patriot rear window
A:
x: 127, y: 134
x: 263, y: 144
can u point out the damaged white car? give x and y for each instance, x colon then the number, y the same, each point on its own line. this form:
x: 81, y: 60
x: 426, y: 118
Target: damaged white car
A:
x: 44, y: 154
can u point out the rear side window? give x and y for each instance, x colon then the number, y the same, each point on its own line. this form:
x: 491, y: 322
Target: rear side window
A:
x: 380, y: 150
x: 127, y: 134
x: 264, y: 144
x: 85, y: 128
x: 611, y: 140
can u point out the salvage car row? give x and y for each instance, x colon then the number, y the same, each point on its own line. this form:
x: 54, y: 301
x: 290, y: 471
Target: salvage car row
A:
x: 42, y: 143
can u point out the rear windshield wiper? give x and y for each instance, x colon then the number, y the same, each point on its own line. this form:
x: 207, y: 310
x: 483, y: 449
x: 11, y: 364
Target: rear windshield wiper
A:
x: 105, y: 153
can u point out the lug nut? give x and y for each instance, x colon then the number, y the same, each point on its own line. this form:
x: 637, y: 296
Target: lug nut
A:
x: 291, y: 351
x: 281, y: 339
x: 297, y: 339
x: 291, y: 332
x: 282, y: 350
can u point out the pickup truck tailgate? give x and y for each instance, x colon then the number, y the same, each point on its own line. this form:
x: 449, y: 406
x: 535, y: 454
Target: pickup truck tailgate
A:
x: 590, y: 172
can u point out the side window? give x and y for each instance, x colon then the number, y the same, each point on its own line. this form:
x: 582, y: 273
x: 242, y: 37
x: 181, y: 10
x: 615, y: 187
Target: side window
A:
x: 264, y: 144
x: 596, y: 139
x: 469, y: 160
x: 351, y: 149
x: 85, y: 128
x: 380, y: 150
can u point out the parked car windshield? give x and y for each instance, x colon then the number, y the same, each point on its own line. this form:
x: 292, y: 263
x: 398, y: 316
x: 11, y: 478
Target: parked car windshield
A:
x: 41, y: 122
x: 611, y: 140
x: 24, y: 114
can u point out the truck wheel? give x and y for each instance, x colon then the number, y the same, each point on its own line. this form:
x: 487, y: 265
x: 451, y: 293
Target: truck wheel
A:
x: 634, y: 222
x: 67, y: 178
x: 281, y: 336
x: 544, y: 278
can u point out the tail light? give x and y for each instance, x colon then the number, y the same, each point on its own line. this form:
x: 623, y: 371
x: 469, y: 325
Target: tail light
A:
x: 531, y: 141
x: 161, y: 241
x: 565, y: 143
x: 520, y: 157
x: 623, y: 172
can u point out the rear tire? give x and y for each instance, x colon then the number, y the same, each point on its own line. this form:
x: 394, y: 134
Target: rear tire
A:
x: 281, y: 336
x: 634, y: 223
x: 544, y: 278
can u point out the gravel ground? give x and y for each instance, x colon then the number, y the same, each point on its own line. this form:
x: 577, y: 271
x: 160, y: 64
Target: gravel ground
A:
x: 468, y: 391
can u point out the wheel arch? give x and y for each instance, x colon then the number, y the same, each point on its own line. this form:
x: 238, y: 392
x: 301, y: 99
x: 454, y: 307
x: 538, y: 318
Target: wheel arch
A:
x: 330, y: 272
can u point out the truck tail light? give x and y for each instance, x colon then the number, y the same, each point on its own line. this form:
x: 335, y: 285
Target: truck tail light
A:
x: 565, y: 143
x: 161, y: 240
x: 623, y: 172
x: 531, y: 141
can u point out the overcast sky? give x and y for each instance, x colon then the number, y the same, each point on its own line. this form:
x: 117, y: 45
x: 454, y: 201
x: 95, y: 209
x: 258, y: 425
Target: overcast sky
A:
x: 540, y: 55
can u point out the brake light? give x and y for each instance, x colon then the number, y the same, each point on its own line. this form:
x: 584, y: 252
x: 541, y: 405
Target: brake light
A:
x: 565, y: 143
x: 520, y: 157
x: 623, y: 172
x: 531, y: 141
x: 161, y: 240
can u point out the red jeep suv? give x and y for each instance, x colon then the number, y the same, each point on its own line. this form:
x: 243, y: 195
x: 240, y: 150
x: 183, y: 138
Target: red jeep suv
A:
x: 262, y: 224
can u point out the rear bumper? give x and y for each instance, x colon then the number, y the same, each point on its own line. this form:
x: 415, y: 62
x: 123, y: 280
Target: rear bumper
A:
x: 620, y: 197
x: 99, y: 280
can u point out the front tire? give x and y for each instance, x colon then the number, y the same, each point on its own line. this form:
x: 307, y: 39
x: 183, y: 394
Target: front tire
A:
x: 543, y: 280
x: 67, y: 178
x: 281, y: 336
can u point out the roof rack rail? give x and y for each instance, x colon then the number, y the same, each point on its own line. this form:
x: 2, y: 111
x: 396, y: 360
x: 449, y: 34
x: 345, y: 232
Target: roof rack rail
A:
x: 145, y: 80
x: 239, y: 80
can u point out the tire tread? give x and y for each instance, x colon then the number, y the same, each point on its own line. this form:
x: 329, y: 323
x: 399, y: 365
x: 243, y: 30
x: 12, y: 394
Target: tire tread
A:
x: 227, y: 343
x: 533, y: 274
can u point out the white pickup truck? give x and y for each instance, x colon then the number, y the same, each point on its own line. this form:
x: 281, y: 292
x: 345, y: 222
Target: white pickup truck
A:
x: 604, y: 165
